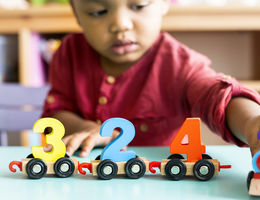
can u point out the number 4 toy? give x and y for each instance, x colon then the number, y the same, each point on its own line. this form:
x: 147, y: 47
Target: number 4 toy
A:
x: 197, y: 164
x: 190, y: 131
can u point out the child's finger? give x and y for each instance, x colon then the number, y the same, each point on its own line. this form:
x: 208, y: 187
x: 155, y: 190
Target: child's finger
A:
x: 87, y: 146
x: 74, y: 143
x: 66, y: 139
x: 124, y: 149
x: 115, y: 134
x: 47, y: 148
x: 254, y: 150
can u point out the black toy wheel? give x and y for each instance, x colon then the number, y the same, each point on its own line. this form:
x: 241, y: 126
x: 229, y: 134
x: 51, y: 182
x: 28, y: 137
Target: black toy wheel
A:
x: 64, y: 167
x: 30, y: 156
x: 36, y: 168
x: 135, y: 168
x: 249, y: 178
x: 203, y: 170
x: 206, y: 156
x: 98, y: 157
x: 175, y: 169
x: 107, y: 169
x: 176, y: 156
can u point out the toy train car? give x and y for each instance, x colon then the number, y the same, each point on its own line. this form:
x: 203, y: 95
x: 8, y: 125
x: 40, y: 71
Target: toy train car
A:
x: 40, y: 163
x: 176, y: 168
x: 107, y: 169
x: 36, y: 168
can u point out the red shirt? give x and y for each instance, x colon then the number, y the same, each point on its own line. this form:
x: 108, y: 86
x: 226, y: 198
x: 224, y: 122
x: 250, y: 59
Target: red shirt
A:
x: 168, y: 84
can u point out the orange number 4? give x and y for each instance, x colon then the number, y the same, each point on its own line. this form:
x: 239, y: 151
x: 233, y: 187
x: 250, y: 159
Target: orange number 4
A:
x: 190, y: 132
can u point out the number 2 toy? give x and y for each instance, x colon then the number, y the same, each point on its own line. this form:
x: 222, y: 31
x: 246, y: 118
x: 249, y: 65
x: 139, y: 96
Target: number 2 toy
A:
x: 113, y: 160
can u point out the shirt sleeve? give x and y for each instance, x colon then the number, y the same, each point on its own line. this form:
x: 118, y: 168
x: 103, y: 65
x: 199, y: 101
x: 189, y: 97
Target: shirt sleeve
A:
x: 208, y: 94
x: 61, y: 95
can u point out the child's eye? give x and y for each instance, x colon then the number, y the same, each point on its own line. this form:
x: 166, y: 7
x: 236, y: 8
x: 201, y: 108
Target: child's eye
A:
x: 138, y: 7
x: 98, y: 13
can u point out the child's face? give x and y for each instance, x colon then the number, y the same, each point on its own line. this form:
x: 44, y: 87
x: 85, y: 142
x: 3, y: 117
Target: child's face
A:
x: 121, y: 30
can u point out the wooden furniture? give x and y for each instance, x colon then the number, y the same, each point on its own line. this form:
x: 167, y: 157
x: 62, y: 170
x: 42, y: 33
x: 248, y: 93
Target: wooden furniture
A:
x: 20, y: 108
x: 60, y: 19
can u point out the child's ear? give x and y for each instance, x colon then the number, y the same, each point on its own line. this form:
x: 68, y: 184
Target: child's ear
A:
x: 165, y: 6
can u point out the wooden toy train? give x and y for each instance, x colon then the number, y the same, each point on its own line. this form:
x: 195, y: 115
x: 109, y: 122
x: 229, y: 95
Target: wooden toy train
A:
x: 113, y: 161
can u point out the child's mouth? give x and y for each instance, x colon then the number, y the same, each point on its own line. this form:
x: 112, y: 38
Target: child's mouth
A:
x: 124, y: 47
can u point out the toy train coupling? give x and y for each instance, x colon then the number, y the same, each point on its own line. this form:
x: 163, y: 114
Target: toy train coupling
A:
x: 17, y: 163
x: 84, y: 165
x: 224, y: 167
x: 256, y: 175
x: 154, y: 164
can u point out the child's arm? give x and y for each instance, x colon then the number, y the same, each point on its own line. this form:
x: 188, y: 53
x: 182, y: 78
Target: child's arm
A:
x: 80, y: 131
x: 243, y: 118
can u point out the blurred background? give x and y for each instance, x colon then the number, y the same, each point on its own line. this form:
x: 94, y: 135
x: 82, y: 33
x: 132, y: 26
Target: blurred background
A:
x: 227, y: 31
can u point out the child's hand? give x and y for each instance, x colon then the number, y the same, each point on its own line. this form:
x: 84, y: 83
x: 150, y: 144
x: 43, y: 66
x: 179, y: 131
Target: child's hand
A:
x: 89, y: 138
x: 252, y: 127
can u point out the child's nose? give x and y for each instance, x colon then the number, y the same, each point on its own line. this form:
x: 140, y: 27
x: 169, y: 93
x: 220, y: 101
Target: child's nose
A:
x: 121, y: 22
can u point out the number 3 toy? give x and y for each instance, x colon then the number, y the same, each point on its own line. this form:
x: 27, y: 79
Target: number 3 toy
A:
x: 39, y: 163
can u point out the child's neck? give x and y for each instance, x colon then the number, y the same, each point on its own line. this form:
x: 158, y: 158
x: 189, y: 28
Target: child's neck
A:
x: 114, y: 69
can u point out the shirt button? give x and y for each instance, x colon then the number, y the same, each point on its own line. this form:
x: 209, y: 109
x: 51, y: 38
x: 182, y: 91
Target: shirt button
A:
x: 102, y: 100
x: 111, y: 79
x: 50, y: 99
x: 144, y: 128
x: 227, y: 77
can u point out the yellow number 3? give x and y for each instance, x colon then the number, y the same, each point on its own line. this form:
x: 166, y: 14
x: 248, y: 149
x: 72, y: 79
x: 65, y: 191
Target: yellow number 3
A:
x: 53, y: 138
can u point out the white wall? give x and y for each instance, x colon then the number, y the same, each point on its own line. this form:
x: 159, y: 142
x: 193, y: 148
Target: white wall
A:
x: 230, y: 52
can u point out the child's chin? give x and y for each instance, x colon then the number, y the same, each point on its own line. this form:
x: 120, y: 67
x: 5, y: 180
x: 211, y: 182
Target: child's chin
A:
x: 126, y: 58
